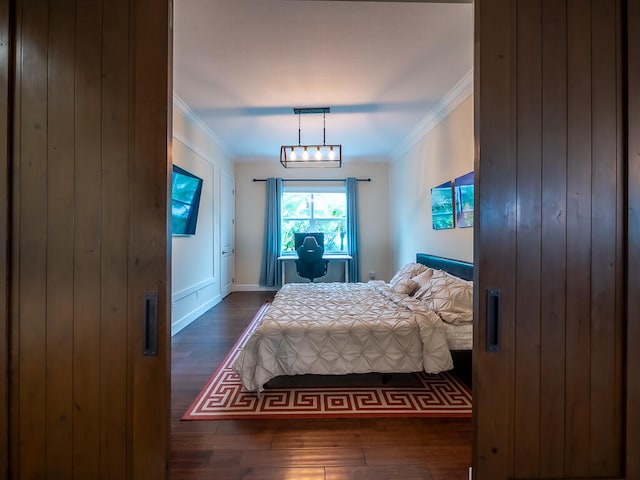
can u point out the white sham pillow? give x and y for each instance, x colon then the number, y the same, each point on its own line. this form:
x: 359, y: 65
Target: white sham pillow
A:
x: 406, y: 272
x: 422, y: 278
x: 405, y: 286
x: 448, y: 296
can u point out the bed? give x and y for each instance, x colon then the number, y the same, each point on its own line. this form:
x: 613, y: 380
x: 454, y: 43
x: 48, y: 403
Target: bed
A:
x: 410, y: 324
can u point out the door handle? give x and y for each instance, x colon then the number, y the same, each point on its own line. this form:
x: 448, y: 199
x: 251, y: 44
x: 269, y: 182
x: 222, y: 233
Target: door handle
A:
x: 150, y: 337
x: 493, y: 320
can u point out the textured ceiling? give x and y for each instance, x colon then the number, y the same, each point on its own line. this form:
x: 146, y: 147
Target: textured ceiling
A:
x: 243, y: 65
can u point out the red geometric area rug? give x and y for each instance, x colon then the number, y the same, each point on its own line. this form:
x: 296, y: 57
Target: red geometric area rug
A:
x: 222, y: 398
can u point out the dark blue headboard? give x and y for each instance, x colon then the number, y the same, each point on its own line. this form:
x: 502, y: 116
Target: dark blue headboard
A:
x: 458, y: 268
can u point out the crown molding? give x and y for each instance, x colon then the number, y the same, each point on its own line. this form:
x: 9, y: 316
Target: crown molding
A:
x: 193, y: 117
x: 460, y: 92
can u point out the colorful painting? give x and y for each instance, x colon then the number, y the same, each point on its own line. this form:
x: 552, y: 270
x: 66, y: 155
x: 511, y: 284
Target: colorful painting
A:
x: 442, y: 206
x: 463, y: 187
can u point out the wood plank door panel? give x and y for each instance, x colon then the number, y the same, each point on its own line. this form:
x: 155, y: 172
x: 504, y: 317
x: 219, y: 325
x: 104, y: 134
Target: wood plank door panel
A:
x: 550, y: 236
x: 633, y: 241
x: 495, y: 145
x: 579, y: 184
x: 5, y: 121
x: 85, y: 128
x: 150, y: 229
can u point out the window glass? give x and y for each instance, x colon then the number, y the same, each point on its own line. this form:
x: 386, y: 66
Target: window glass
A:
x: 296, y: 205
x: 315, y: 211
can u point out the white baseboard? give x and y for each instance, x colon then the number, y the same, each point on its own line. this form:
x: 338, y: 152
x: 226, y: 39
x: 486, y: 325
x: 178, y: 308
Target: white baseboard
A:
x: 190, y: 317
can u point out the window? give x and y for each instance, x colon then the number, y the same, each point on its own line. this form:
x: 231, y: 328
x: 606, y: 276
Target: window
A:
x: 315, y: 211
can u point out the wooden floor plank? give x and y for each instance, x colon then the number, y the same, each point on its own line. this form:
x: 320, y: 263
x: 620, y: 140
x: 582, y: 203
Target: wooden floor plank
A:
x: 260, y: 441
x: 304, y: 457
x: 390, y: 472
x: 250, y: 473
x: 433, y: 454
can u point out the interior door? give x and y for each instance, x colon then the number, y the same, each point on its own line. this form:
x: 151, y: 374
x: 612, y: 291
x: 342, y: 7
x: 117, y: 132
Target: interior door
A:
x: 553, y: 394
x: 85, y: 176
x: 227, y: 233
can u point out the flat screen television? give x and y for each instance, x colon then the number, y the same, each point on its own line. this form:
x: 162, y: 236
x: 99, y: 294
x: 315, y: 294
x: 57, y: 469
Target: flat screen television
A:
x: 298, y: 238
x: 186, y: 189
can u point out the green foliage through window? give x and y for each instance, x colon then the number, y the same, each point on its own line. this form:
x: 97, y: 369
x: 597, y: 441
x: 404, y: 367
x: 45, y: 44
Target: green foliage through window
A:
x: 315, y: 212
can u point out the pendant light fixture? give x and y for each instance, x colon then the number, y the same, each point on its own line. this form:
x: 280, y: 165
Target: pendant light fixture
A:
x: 323, y: 156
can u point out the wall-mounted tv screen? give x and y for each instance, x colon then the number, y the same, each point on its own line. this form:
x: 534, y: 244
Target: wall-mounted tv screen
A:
x: 186, y: 189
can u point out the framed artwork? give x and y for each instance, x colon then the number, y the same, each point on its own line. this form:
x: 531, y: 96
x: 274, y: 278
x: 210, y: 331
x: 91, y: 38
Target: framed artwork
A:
x: 463, y: 188
x: 442, y: 206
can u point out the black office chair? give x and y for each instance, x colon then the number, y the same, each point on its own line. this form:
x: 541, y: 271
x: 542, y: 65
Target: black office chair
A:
x: 310, y: 263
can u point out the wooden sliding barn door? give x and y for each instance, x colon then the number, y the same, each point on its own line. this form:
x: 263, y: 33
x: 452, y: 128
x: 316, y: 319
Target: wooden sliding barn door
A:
x: 556, y: 349
x: 84, y: 173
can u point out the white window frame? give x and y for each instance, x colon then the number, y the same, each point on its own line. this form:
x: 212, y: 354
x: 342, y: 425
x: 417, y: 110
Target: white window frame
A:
x: 312, y: 189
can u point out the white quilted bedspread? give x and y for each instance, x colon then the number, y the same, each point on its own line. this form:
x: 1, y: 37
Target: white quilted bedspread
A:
x: 339, y: 328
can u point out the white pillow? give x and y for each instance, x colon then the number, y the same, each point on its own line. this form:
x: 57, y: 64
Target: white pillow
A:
x: 448, y: 296
x: 406, y: 286
x: 422, y: 278
x: 410, y: 270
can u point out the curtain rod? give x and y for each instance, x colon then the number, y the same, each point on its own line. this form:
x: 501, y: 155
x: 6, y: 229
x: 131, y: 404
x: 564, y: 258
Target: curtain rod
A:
x: 313, y: 179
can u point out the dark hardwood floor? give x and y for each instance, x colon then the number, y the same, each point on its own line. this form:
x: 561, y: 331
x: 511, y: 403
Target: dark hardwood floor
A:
x: 340, y: 449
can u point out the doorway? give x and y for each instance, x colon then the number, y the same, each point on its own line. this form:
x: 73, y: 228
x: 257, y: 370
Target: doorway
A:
x: 458, y: 428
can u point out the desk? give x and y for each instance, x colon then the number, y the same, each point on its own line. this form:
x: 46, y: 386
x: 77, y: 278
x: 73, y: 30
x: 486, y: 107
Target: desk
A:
x: 332, y: 258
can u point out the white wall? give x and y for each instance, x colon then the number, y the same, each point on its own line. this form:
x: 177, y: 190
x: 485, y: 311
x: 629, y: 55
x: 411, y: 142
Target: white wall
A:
x: 375, y: 248
x: 195, y: 260
x: 443, y: 153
